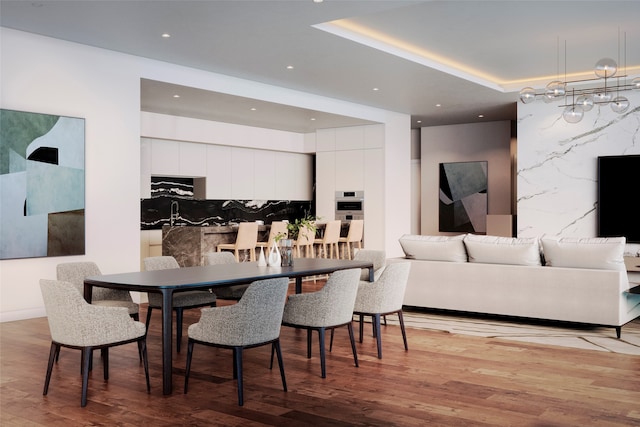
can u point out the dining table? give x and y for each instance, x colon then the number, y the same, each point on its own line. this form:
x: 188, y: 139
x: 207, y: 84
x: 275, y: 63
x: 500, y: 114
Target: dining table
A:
x: 168, y: 282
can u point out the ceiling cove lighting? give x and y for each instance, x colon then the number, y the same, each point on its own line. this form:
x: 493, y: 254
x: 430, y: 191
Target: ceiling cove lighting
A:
x: 578, y: 100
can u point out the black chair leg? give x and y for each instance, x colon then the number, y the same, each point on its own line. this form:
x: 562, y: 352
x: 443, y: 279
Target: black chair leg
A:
x: 237, y: 365
x: 148, y: 321
x: 376, y: 331
x: 142, y: 350
x: 86, y: 357
x: 187, y: 369
x: 53, y: 353
x: 331, y: 340
x: 179, y: 313
x: 104, y: 352
x: 308, y: 343
x: 323, y: 369
x: 353, y: 344
x: 276, y: 346
x: 404, y: 332
x: 136, y: 317
x: 361, y: 329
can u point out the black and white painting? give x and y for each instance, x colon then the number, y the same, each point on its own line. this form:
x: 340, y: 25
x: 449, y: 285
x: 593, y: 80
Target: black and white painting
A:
x: 463, y: 197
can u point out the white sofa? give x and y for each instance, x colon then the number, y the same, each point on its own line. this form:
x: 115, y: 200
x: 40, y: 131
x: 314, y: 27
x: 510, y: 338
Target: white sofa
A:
x: 572, y: 280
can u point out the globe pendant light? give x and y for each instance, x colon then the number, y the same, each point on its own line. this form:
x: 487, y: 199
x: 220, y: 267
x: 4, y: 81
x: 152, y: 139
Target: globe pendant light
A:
x: 573, y: 114
x: 585, y: 102
x: 620, y: 104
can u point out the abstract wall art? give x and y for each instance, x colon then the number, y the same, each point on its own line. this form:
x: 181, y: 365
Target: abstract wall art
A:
x: 42, y: 184
x: 463, y: 197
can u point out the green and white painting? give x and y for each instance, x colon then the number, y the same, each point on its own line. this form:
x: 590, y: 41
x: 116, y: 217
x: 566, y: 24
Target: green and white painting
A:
x: 41, y: 185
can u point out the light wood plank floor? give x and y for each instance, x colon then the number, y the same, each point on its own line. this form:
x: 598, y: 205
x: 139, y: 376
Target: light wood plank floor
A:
x: 443, y: 380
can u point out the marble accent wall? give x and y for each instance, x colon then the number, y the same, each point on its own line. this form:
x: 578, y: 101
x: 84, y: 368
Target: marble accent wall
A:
x: 557, y: 165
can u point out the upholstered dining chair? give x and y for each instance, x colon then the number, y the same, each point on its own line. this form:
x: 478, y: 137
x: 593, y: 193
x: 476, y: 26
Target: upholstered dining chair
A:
x: 383, y: 297
x: 246, y: 239
x: 329, y: 308
x: 76, y: 272
x: 76, y: 324
x: 303, y: 246
x: 353, y: 238
x: 328, y: 244
x: 221, y: 258
x: 377, y: 257
x: 277, y: 227
x: 254, y: 321
x: 181, y: 300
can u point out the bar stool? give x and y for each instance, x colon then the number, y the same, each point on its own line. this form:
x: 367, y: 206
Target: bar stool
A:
x: 304, y: 243
x: 277, y: 227
x: 329, y: 241
x: 246, y: 239
x: 354, y: 236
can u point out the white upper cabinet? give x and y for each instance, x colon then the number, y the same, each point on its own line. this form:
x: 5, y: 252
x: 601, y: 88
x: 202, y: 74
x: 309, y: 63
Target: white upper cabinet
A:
x: 164, y: 158
x: 193, y: 159
x: 218, y: 172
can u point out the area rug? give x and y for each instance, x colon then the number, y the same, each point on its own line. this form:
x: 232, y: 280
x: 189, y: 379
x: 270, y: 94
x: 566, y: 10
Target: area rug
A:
x: 550, y: 333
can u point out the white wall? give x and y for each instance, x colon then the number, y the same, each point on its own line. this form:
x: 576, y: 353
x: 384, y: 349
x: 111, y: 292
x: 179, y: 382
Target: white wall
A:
x: 465, y: 143
x: 46, y: 75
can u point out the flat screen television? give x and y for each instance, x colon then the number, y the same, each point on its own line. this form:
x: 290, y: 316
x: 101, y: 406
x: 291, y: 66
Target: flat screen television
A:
x: 618, y: 212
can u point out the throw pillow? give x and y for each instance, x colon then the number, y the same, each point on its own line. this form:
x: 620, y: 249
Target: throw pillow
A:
x: 503, y: 250
x: 434, y: 248
x: 603, y: 253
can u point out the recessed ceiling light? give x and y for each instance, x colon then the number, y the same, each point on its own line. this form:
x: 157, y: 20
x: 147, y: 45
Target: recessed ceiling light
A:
x: 419, y: 121
x: 438, y: 105
x: 318, y: 1
x: 313, y: 118
x: 176, y: 96
x: 289, y: 67
x: 376, y: 89
x: 166, y: 35
x: 253, y: 108
x: 481, y: 116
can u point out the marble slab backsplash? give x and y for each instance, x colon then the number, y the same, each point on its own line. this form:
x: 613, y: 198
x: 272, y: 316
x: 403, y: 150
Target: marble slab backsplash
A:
x: 159, y: 211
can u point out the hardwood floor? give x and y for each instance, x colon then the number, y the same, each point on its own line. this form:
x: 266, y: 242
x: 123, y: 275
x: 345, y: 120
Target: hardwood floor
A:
x: 443, y: 380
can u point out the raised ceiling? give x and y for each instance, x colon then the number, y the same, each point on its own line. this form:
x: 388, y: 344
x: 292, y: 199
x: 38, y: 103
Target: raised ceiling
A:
x: 442, y: 62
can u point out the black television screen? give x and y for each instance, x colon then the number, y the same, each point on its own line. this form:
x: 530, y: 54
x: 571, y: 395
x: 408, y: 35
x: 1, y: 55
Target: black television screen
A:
x: 618, y: 212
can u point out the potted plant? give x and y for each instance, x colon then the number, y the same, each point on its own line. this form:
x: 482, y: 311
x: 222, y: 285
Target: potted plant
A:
x: 308, y: 221
x: 286, y: 242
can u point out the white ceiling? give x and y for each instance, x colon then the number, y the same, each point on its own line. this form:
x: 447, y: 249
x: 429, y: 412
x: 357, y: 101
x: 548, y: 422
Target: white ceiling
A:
x: 472, y: 57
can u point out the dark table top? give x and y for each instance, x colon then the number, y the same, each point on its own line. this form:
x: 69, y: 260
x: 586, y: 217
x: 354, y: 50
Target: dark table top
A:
x: 219, y: 275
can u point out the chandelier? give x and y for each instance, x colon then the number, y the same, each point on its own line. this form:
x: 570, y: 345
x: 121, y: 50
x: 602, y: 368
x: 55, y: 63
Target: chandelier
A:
x: 577, y: 101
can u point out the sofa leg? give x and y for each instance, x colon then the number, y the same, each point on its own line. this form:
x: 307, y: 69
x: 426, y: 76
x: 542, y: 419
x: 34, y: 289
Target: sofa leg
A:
x: 618, y: 331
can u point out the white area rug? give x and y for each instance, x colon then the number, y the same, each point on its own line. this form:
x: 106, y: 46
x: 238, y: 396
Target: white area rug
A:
x: 577, y: 336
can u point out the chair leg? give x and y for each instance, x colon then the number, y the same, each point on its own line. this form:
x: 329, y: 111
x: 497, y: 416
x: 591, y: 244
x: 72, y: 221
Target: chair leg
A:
x: 136, y: 317
x: 148, y: 320
x: 179, y: 316
x: 86, y: 357
x: 361, y: 327
x: 331, y: 340
x: 404, y: 333
x: 187, y: 369
x: 376, y: 331
x: 142, y: 350
x: 104, y: 353
x: 323, y: 370
x: 237, y: 365
x: 353, y: 344
x: 308, y: 343
x: 276, y: 346
x: 53, y: 353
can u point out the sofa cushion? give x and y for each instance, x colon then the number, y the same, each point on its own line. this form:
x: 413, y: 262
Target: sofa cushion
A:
x: 603, y: 253
x: 434, y: 248
x: 502, y: 250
